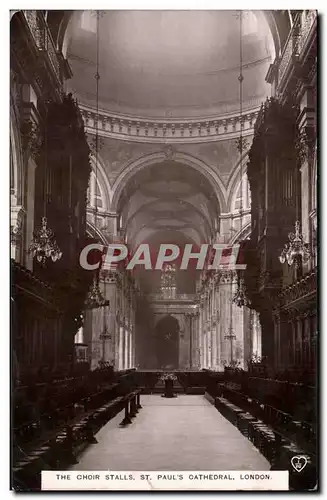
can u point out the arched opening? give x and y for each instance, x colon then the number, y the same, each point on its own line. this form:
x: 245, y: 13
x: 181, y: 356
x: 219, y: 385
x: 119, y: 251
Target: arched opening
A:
x: 167, y: 343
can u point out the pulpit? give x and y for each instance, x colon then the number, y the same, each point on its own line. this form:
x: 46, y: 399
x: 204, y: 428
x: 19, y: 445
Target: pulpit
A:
x: 169, y: 385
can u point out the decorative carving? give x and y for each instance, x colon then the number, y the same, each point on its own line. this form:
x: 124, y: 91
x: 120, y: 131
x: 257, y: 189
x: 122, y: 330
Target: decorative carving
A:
x: 227, y: 276
x: 43, y: 39
x: 305, y: 145
x: 44, y: 245
x: 295, y: 250
x: 169, y: 152
x: 93, y: 146
x: 16, y: 232
x: 95, y: 298
x: 241, y: 144
x: 146, y: 131
x: 31, y: 138
x: 301, y: 289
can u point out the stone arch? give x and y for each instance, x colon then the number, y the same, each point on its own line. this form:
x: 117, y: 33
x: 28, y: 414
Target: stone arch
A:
x: 167, y: 331
x: 246, y: 200
x: 145, y: 161
x: 178, y: 317
x: 103, y: 180
x: 242, y: 234
x: 96, y: 233
x: 234, y: 179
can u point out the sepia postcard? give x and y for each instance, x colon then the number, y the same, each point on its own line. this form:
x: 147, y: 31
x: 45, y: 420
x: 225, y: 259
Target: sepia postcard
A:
x: 163, y: 236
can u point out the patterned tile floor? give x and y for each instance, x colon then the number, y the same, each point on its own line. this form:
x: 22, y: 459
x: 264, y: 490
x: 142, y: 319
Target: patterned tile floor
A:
x: 184, y: 433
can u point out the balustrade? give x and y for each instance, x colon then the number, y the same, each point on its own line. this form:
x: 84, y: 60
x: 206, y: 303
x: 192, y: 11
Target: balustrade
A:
x: 304, y: 25
x: 43, y: 39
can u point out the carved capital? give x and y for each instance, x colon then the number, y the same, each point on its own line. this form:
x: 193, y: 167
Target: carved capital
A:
x: 305, y: 145
x: 227, y: 276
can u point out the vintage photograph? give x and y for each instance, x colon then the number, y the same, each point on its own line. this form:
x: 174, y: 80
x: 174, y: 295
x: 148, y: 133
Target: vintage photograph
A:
x: 163, y: 203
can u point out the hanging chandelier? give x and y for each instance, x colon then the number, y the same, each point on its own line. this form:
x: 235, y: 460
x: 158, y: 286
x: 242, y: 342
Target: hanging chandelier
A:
x: 240, y: 298
x: 105, y: 332
x: 295, y: 250
x: 44, y: 245
x: 95, y: 298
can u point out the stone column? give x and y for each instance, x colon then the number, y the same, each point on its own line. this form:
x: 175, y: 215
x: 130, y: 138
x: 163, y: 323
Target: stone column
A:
x: 108, y: 278
x: 277, y: 340
x: 29, y: 226
x: 227, y: 322
x: 130, y: 361
x: 121, y: 348
x: 96, y: 323
x: 307, y: 127
x: 214, y: 350
x: 205, y: 331
x: 201, y: 332
x: 198, y: 340
x: 256, y: 333
x: 16, y: 234
x: 126, y: 361
x: 133, y: 332
x: 30, y: 144
x: 117, y: 314
x: 211, y: 326
x: 207, y: 326
x: 195, y: 341
x: 189, y: 319
x: 238, y: 327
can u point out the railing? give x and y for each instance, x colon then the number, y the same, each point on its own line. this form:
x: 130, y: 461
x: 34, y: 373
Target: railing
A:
x: 301, y: 289
x: 308, y: 20
x: 175, y: 297
x: 297, y: 39
x: 121, y: 126
x: 43, y: 39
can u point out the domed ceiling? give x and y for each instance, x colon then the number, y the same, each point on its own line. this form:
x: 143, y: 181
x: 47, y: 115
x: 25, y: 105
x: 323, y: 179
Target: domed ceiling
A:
x: 169, y: 63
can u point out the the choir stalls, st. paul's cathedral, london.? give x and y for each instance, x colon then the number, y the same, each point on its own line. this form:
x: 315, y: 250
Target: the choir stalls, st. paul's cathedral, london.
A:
x: 163, y: 185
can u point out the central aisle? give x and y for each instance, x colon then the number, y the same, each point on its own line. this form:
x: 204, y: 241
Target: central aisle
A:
x: 184, y: 433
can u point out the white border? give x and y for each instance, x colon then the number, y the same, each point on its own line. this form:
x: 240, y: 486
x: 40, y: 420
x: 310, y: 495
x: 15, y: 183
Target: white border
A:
x: 4, y: 198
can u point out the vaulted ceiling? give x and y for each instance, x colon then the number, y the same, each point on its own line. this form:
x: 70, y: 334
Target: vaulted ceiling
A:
x: 168, y: 197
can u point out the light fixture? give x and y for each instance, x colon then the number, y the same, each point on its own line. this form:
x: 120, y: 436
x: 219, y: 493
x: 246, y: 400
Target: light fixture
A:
x: 44, y: 245
x: 231, y: 337
x: 95, y: 298
x: 295, y: 250
x: 240, y: 298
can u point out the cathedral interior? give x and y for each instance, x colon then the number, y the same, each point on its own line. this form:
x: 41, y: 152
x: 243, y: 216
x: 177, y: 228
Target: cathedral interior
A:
x: 163, y: 127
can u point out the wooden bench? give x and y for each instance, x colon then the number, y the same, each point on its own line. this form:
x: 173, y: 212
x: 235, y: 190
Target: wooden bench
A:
x: 132, y: 406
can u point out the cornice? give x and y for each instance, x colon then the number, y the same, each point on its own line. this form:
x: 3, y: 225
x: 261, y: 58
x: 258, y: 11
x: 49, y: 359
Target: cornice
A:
x: 127, y: 128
